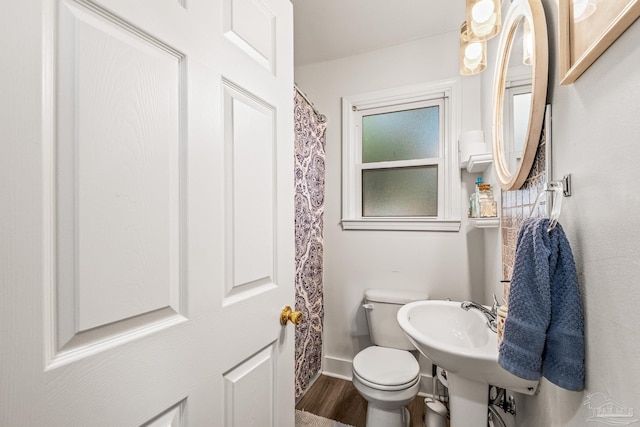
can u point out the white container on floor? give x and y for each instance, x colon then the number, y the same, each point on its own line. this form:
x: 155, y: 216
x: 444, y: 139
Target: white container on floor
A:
x: 435, y: 413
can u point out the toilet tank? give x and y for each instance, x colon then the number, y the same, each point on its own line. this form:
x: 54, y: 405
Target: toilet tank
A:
x: 381, y: 306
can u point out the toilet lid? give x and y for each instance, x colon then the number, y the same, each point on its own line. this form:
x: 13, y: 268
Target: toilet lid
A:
x: 386, y: 366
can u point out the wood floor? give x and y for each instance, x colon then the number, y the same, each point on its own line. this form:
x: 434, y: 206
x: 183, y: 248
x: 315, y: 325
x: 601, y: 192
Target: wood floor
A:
x: 339, y: 400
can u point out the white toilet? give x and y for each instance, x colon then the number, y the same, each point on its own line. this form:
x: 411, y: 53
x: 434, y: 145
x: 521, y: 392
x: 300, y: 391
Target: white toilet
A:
x: 386, y: 374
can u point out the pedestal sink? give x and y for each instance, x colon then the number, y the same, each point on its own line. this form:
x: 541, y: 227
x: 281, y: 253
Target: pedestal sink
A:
x: 461, y: 343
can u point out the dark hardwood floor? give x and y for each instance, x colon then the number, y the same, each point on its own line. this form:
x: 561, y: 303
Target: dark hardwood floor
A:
x: 339, y: 400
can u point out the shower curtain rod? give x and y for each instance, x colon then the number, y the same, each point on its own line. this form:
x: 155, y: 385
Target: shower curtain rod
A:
x: 320, y: 116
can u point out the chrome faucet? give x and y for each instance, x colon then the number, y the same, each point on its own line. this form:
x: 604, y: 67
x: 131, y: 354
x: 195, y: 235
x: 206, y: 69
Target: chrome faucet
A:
x: 491, y: 315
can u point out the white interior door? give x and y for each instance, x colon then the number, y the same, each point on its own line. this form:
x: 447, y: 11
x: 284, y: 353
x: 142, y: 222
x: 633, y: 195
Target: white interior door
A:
x: 146, y: 241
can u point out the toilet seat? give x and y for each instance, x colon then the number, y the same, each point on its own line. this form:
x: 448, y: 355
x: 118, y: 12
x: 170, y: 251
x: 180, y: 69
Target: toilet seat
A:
x: 386, y: 369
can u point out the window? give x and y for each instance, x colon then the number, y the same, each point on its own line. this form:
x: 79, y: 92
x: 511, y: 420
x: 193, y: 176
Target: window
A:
x: 517, y: 107
x: 400, y: 159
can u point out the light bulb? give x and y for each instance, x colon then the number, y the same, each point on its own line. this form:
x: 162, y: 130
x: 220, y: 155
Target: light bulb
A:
x: 482, y: 11
x: 481, y: 29
x: 473, y: 56
x: 483, y: 19
x: 473, y: 51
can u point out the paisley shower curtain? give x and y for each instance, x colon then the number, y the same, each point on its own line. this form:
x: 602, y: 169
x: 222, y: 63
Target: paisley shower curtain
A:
x: 310, y: 130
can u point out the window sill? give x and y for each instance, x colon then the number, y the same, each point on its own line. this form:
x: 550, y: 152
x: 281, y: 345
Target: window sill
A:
x: 401, y: 224
x: 492, y: 222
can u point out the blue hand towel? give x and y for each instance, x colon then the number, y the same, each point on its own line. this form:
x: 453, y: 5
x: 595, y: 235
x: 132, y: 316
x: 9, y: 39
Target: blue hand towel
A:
x: 544, y: 331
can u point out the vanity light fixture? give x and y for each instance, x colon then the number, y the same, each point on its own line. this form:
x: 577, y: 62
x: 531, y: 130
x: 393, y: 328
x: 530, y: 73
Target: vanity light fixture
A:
x: 473, y: 54
x: 483, y: 19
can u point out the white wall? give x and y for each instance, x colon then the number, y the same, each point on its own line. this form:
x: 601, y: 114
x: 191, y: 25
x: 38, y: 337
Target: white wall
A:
x: 596, y: 128
x: 442, y: 263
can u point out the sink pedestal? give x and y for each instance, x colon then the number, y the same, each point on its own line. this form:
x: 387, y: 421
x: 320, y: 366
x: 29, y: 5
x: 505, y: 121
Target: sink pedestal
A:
x: 468, y: 401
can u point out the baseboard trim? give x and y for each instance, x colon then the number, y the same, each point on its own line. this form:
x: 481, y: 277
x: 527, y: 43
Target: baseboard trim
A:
x: 337, y: 367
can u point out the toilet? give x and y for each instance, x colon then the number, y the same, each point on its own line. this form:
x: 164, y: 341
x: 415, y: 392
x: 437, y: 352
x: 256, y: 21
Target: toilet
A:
x: 387, y: 374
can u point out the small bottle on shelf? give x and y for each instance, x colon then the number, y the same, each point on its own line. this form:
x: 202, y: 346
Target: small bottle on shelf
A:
x: 488, y: 208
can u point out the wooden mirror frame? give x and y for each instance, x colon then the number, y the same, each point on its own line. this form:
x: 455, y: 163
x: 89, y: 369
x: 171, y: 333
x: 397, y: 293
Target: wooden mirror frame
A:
x: 533, y: 12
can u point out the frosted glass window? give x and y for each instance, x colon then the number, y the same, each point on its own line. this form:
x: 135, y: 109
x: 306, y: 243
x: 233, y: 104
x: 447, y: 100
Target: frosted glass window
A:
x: 516, y: 111
x: 399, y: 165
x: 521, y: 113
x: 408, y: 192
x: 401, y: 135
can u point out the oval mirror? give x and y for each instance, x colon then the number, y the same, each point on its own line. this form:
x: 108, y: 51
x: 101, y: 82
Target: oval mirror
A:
x: 519, y: 91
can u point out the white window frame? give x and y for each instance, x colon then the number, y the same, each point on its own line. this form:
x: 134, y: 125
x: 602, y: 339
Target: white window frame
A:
x: 447, y: 94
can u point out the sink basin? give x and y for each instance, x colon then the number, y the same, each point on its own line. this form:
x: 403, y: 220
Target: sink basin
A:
x: 458, y: 341
x: 461, y: 343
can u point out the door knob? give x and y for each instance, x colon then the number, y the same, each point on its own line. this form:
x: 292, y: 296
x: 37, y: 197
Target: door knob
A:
x: 289, y: 315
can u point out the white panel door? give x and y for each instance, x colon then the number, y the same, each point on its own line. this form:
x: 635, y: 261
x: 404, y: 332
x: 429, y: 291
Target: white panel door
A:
x: 146, y: 228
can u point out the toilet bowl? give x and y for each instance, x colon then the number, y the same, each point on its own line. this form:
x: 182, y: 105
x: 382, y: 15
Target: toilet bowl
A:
x: 387, y: 374
x: 388, y: 379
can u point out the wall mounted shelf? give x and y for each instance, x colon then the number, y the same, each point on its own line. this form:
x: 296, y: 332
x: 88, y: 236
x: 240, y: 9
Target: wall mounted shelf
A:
x: 477, y: 163
x: 484, y: 222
